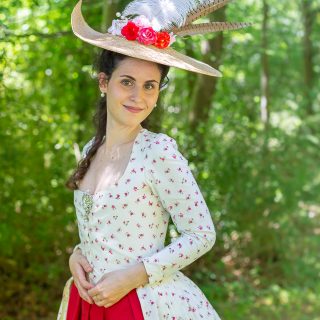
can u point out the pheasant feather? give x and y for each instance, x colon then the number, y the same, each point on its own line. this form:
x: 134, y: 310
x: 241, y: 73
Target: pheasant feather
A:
x: 201, y: 28
x: 204, y: 9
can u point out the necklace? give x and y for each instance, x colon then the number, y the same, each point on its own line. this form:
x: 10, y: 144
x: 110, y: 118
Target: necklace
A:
x: 87, y: 198
x: 114, y: 153
x: 115, y: 149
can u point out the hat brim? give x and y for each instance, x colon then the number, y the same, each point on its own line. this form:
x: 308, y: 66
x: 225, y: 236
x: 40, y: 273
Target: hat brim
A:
x: 167, y: 56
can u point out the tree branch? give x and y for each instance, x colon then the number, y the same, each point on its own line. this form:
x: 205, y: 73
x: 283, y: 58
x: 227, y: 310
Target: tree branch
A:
x: 36, y: 34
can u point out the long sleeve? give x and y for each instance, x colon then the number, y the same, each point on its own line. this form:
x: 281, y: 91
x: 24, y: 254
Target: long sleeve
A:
x: 78, y: 246
x: 170, y: 178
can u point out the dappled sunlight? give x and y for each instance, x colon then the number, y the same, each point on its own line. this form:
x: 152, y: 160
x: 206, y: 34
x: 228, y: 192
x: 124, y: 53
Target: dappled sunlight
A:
x: 286, y: 121
x: 258, y: 171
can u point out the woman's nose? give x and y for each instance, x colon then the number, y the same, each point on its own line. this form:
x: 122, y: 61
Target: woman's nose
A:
x: 137, y: 94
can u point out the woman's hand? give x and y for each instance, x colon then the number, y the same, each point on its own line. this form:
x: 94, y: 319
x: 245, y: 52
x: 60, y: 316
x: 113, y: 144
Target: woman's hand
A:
x: 111, y: 288
x: 79, y: 265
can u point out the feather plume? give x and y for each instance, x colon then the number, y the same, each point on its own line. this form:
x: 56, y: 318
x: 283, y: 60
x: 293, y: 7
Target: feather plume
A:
x: 167, y: 13
x: 176, y: 15
x: 204, y: 9
x: 201, y: 28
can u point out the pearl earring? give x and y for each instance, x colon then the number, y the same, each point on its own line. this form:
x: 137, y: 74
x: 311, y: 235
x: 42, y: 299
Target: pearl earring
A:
x: 102, y: 94
x: 155, y: 105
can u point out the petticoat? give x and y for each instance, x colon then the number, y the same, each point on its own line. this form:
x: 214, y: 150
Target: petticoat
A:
x: 127, y: 308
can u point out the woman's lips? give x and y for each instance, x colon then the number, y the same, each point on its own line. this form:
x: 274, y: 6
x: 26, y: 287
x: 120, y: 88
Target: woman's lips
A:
x: 133, y: 109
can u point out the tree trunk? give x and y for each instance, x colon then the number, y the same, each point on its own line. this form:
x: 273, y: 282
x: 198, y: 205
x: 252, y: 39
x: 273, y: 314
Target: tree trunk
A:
x: 265, y: 95
x: 308, y: 17
x: 204, y: 91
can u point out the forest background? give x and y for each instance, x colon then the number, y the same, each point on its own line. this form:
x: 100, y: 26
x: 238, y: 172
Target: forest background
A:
x: 252, y: 139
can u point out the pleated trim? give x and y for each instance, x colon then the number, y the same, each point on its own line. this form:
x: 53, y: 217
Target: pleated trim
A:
x: 62, y: 313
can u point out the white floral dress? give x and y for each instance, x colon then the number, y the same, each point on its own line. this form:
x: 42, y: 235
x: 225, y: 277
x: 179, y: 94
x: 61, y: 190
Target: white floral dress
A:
x: 127, y: 223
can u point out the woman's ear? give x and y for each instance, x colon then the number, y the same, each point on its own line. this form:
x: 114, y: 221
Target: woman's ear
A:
x: 103, y: 81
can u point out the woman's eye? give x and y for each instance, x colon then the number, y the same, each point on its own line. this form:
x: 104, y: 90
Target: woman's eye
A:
x: 149, y: 86
x: 129, y: 83
x: 126, y: 82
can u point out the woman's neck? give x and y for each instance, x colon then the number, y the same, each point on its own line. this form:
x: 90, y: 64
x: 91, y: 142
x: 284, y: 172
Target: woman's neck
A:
x: 116, y: 136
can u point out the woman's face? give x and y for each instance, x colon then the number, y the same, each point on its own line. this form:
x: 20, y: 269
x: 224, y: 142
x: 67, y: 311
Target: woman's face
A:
x: 132, y: 91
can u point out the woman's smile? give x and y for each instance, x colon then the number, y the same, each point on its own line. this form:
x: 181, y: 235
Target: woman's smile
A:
x: 133, y: 109
x: 135, y: 91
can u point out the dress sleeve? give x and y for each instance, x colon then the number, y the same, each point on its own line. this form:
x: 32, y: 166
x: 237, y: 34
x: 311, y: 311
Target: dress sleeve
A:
x: 78, y: 246
x: 171, y: 179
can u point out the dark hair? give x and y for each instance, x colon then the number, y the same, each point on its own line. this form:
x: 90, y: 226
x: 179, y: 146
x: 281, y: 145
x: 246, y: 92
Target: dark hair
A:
x: 106, y: 61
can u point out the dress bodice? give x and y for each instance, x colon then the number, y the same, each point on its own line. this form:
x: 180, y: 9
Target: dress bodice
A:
x: 106, y: 166
x: 127, y: 223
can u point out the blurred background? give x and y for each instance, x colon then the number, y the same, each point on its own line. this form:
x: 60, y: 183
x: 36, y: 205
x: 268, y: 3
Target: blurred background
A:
x: 252, y: 139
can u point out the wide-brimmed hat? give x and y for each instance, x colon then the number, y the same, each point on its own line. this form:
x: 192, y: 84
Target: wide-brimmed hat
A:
x: 146, y: 30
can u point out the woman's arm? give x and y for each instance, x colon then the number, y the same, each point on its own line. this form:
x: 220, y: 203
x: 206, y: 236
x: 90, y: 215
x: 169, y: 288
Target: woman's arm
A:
x: 170, y: 177
x: 79, y: 266
x: 138, y: 275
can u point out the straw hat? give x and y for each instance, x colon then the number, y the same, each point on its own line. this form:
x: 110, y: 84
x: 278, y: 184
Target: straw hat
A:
x: 146, y: 30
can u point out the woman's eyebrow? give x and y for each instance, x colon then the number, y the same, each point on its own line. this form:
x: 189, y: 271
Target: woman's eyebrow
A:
x: 126, y: 75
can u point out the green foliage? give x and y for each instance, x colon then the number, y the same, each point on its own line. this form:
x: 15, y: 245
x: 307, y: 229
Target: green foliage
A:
x: 261, y: 182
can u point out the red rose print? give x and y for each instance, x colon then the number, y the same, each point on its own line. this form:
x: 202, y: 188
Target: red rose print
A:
x: 130, y: 31
x: 147, y: 36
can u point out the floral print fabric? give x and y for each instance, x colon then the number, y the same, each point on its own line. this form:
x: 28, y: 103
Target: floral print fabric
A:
x: 127, y: 223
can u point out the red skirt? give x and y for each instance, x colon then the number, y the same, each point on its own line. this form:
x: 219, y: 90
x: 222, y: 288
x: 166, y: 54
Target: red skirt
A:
x: 127, y: 308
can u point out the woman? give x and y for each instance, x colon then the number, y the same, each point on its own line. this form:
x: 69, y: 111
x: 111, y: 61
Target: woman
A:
x: 127, y: 185
x: 125, y: 88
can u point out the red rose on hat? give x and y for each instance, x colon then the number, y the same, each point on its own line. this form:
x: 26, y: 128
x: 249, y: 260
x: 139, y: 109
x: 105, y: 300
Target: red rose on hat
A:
x: 147, y: 36
x: 130, y: 31
x: 163, y: 40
